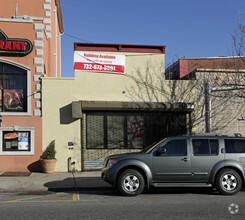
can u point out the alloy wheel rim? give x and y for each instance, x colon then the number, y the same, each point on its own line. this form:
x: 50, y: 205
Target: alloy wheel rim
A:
x: 229, y: 182
x: 131, y: 183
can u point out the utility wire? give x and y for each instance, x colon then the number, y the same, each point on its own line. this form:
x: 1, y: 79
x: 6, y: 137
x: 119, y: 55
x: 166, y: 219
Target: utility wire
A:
x: 77, y: 38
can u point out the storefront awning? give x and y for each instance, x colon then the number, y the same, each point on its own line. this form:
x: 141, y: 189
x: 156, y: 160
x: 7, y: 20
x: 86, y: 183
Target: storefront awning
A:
x: 80, y: 106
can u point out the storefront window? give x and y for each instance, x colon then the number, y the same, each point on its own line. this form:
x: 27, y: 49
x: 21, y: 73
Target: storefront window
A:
x: 127, y: 130
x: 13, y: 88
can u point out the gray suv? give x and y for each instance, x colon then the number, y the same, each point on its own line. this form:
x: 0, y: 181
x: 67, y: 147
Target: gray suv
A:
x: 198, y: 160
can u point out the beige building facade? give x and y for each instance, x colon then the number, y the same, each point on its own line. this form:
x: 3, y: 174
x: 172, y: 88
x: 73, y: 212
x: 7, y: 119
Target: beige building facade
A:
x: 116, y: 103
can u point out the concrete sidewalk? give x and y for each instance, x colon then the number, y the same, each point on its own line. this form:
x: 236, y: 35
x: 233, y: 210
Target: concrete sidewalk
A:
x: 52, y: 182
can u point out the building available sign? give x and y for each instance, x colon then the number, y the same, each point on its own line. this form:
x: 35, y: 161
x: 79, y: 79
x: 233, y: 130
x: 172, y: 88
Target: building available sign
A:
x: 14, y: 47
x: 96, y: 62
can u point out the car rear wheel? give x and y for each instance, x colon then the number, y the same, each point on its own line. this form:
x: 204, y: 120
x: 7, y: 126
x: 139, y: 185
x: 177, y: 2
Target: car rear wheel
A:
x: 131, y: 183
x: 228, y: 182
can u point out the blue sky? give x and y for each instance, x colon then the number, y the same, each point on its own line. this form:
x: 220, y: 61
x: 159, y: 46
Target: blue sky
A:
x: 188, y: 28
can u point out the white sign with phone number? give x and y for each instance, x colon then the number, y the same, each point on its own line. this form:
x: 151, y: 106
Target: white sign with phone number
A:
x: 96, y: 62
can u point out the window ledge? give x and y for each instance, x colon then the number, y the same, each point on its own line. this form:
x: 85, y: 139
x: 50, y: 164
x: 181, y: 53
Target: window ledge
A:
x: 15, y: 113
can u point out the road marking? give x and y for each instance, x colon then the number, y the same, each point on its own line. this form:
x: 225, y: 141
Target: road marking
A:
x: 33, y: 201
x: 74, y: 196
x: 78, y: 197
x: 28, y: 198
x: 46, y: 201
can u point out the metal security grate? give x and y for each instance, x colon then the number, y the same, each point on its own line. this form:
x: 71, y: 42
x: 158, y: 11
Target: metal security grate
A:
x: 128, y: 130
x: 115, y: 131
x: 95, y: 131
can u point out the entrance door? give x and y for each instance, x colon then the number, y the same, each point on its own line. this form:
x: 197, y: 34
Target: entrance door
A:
x: 173, y: 165
x: 206, y: 153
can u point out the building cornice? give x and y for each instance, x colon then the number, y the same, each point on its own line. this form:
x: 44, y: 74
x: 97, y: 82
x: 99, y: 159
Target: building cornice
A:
x: 119, y: 48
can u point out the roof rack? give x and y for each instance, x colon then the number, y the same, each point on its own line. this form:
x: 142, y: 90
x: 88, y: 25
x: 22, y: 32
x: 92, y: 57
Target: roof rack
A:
x: 217, y: 134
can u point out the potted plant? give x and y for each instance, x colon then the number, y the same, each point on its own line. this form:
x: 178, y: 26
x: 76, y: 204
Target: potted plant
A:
x: 48, y: 160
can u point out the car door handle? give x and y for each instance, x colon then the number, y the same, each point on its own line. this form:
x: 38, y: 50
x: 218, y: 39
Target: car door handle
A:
x: 185, y: 159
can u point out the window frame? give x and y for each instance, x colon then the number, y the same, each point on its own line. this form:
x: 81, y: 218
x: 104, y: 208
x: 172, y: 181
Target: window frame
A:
x: 28, y: 83
x: 17, y: 129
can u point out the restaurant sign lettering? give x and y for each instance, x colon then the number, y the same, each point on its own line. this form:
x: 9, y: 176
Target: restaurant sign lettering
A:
x: 14, y: 46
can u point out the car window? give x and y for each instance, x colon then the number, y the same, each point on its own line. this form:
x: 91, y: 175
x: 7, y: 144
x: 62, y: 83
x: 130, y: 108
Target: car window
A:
x: 205, y: 147
x: 175, y: 148
x: 214, y: 147
x: 234, y: 146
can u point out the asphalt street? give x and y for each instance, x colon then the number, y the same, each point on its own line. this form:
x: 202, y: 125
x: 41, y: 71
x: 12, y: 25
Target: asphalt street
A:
x: 107, y: 203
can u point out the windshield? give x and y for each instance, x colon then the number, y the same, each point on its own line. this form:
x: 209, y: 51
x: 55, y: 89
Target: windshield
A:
x: 149, y: 148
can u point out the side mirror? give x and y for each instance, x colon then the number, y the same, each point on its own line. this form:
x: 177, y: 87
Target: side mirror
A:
x: 160, y: 151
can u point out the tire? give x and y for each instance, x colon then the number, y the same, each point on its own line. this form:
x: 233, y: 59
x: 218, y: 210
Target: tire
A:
x: 131, y: 183
x: 228, y: 182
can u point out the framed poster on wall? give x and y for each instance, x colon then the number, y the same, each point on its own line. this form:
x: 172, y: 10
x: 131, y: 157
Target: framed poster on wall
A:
x: 16, y: 141
x: 13, y: 99
x: 23, y: 141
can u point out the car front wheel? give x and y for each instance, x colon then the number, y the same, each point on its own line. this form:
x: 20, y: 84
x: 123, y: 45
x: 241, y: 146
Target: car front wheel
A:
x: 228, y: 182
x: 131, y: 183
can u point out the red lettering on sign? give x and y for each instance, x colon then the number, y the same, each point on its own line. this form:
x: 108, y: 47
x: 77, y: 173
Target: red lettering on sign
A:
x: 23, y: 45
x: 16, y: 45
x: 8, y: 46
x: 1, y: 45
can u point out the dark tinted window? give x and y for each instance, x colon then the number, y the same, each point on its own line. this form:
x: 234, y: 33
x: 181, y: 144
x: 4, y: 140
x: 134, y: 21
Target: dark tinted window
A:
x: 205, y: 147
x: 234, y: 146
x: 175, y: 148
x: 13, y: 69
